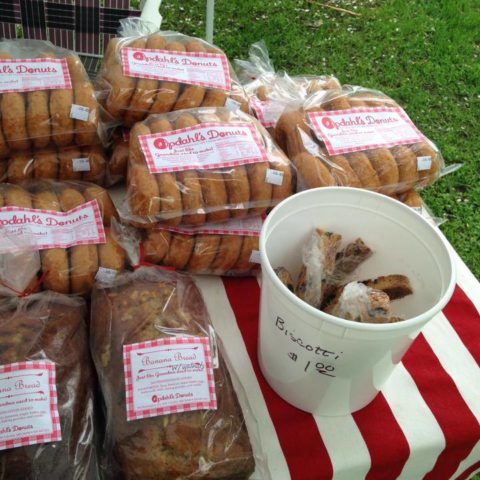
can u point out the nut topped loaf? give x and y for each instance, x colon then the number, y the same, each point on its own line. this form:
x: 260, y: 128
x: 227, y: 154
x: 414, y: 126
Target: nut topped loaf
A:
x: 147, y: 307
x: 47, y: 328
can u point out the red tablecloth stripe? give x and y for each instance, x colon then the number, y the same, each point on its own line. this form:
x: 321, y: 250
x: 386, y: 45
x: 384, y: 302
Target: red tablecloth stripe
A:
x: 386, y: 443
x: 304, y: 450
x: 465, y: 319
x: 459, y: 426
x: 469, y: 471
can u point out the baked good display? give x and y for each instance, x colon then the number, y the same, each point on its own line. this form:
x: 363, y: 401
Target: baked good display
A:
x: 165, y: 71
x: 67, y: 163
x: 142, y: 312
x: 46, y: 334
x: 359, y: 138
x: 203, y: 165
x: 324, y: 281
x: 70, y: 222
x: 219, y: 249
x: 46, y: 98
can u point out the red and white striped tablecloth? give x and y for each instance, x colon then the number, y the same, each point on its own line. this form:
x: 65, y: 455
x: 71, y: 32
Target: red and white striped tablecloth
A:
x: 424, y: 423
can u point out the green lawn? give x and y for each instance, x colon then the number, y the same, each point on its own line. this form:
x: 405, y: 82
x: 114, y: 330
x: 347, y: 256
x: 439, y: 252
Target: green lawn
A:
x: 424, y: 54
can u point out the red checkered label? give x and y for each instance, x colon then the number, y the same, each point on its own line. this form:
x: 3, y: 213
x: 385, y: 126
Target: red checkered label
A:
x: 364, y: 128
x: 49, y: 229
x: 267, y: 111
x: 168, y: 375
x: 195, y: 68
x: 26, y: 75
x: 28, y: 404
x: 249, y: 227
x: 203, y: 146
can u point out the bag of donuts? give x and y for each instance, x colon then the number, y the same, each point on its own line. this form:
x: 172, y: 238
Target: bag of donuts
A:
x: 46, y: 98
x: 357, y: 137
x: 68, y: 223
x: 203, y: 165
x: 147, y: 73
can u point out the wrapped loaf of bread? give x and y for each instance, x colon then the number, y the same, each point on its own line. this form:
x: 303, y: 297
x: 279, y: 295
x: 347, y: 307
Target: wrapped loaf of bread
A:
x: 171, y: 409
x: 46, y: 98
x: 229, y: 248
x: 68, y: 163
x: 70, y: 224
x: 165, y: 71
x: 358, y: 138
x: 46, y: 385
x: 203, y: 165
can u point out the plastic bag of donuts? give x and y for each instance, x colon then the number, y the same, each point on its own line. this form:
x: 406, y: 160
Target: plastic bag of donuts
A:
x: 269, y: 91
x: 203, y: 165
x: 87, y: 163
x: 69, y: 224
x: 359, y: 138
x: 229, y: 248
x: 165, y: 71
x: 46, y: 98
x: 118, y: 157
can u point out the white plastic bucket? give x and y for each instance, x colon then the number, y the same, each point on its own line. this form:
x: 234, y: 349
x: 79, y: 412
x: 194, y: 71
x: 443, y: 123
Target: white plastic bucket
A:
x: 323, y: 364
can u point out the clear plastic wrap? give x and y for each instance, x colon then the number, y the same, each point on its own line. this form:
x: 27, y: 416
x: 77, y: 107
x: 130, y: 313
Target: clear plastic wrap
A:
x: 359, y: 138
x: 67, y: 163
x: 203, y: 165
x: 269, y: 92
x: 118, y: 158
x: 44, y: 343
x: 70, y: 222
x: 46, y: 98
x: 141, y: 315
x: 229, y: 248
x: 165, y: 71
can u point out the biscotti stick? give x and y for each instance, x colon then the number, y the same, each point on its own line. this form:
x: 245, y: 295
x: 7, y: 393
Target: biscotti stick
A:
x: 146, y: 90
x: 170, y: 194
x: 192, y: 95
x: 167, y: 91
x: 395, y: 286
x: 284, y: 276
x: 55, y: 264
x: 83, y: 258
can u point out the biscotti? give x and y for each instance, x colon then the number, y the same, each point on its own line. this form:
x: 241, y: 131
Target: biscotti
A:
x: 203, y: 165
x: 174, y: 432
x: 48, y: 424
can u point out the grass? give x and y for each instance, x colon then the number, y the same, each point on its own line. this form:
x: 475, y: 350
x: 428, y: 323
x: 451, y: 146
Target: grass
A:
x: 423, y: 54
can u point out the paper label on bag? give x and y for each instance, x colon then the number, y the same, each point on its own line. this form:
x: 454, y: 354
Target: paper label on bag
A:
x: 27, y: 75
x: 232, y: 105
x: 203, y: 146
x: 168, y: 375
x: 364, y: 128
x: 28, y: 404
x: 255, y: 257
x: 105, y: 275
x: 267, y: 111
x: 81, y: 165
x: 80, y: 226
x: 249, y: 227
x: 275, y: 177
x: 79, y: 112
x: 424, y: 163
x: 194, y: 68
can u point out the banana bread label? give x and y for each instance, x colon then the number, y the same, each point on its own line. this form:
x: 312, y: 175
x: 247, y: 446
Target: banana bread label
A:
x: 80, y: 226
x: 247, y: 227
x: 26, y: 75
x: 364, y: 128
x: 194, y: 68
x: 267, y: 111
x: 203, y: 146
x: 168, y: 375
x: 28, y: 404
